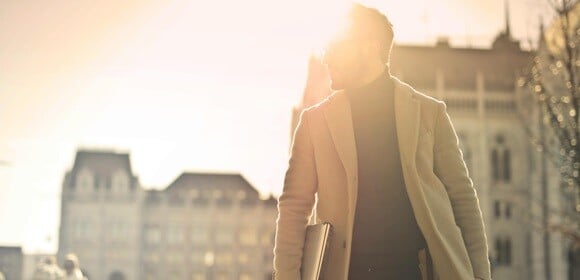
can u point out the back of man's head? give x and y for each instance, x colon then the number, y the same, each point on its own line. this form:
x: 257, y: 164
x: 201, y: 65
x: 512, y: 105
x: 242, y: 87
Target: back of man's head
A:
x: 71, y: 262
x: 369, y: 24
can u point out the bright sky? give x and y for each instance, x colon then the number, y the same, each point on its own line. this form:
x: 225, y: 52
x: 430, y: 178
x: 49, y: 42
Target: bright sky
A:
x: 181, y: 85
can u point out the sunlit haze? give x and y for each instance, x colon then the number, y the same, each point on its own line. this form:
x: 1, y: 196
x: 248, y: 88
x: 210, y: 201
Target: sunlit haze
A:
x: 180, y: 85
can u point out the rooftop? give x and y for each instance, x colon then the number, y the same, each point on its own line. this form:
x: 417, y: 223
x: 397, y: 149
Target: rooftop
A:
x: 202, y: 180
x: 102, y: 162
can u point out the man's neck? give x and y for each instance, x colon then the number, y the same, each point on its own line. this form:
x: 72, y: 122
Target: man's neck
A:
x: 372, y: 74
x: 370, y: 78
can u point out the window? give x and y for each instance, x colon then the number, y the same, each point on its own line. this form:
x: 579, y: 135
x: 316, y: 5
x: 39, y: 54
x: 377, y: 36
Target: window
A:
x: 81, y: 229
x: 152, y: 235
x: 117, y: 231
x: 217, y: 194
x: 507, y: 172
x: 120, y: 182
x: 199, y: 198
x: 248, y: 236
x: 198, y: 275
x: 176, y: 274
x: 153, y: 197
x: 85, y: 181
x: 152, y: 258
x: 224, y: 200
x: 508, y: 210
x: 249, y: 201
x: 198, y: 257
x: 267, y: 237
x: 502, y: 209
x: 245, y: 276
x: 174, y: 258
x: 241, y: 195
x: 175, y: 235
x: 503, y: 251
x: 175, y: 199
x: 501, y: 161
x: 224, y: 236
x: 224, y: 258
x: 150, y: 275
x: 497, y: 208
x: 243, y: 258
x: 194, y: 193
x: 199, y: 236
x: 268, y: 257
x: 221, y: 275
x: 495, y: 164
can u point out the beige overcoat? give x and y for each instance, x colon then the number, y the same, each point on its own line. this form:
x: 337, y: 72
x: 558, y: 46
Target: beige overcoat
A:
x: 323, y: 164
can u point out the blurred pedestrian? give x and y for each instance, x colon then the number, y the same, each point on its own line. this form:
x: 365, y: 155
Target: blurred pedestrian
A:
x: 72, y: 269
x: 47, y: 269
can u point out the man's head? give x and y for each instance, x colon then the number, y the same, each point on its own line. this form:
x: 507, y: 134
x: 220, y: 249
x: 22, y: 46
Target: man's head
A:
x: 361, y: 50
x: 71, y: 263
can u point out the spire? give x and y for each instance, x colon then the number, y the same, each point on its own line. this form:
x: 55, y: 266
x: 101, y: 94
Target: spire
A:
x: 507, y: 19
x: 541, y: 25
x: 541, y: 37
x: 504, y: 39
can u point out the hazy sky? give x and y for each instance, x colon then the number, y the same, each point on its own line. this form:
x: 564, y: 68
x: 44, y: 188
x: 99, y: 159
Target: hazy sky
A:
x: 181, y: 85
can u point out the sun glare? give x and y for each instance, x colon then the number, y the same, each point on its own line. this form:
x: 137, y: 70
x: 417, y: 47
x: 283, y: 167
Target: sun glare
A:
x: 325, y: 20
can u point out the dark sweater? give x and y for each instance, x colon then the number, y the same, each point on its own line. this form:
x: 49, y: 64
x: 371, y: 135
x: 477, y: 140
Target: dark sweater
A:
x: 386, y: 237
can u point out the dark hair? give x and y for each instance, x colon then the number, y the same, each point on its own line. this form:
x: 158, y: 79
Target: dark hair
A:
x: 369, y: 23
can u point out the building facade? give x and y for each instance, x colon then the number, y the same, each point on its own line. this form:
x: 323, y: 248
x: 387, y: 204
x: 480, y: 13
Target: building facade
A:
x: 202, y: 226
x: 11, y: 262
x: 479, y: 89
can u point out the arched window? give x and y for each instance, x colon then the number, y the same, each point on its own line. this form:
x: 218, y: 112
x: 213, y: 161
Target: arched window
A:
x: 120, y: 182
x: 500, y: 161
x: 503, y: 251
x: 507, y: 172
x: 85, y: 181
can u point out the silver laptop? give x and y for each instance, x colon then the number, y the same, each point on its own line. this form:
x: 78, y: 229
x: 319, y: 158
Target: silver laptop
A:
x: 316, y: 243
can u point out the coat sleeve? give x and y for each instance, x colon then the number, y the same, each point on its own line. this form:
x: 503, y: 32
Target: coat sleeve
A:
x: 295, y: 204
x: 451, y: 170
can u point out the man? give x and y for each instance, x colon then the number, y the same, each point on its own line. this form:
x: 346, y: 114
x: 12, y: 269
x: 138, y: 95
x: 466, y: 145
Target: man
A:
x: 383, y: 162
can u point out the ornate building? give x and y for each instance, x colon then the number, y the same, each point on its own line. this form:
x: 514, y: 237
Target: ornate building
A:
x: 202, y: 226
x: 479, y: 88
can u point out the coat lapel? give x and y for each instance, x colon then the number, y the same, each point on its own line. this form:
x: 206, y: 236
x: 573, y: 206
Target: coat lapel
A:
x: 407, y: 123
x: 339, y: 119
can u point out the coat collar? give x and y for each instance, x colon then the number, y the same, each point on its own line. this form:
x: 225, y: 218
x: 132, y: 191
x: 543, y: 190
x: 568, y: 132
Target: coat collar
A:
x: 339, y: 119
